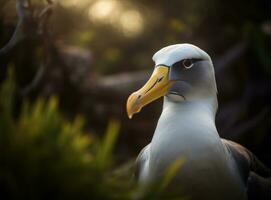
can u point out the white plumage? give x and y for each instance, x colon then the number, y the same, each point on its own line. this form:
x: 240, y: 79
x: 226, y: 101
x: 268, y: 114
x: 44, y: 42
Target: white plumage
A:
x: 213, y: 169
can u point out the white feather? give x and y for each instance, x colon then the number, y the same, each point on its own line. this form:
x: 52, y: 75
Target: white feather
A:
x: 174, y: 53
x: 187, y: 129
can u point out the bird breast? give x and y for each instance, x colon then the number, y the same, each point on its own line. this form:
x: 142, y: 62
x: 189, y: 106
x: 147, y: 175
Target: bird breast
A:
x: 189, y: 132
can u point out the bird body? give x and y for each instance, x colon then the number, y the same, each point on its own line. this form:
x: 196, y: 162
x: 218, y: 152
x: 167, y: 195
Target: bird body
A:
x: 213, y: 168
x: 195, y: 138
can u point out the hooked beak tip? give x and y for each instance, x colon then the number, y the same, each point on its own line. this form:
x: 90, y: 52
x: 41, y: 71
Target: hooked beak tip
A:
x: 133, y: 105
x: 130, y: 106
x: 155, y: 87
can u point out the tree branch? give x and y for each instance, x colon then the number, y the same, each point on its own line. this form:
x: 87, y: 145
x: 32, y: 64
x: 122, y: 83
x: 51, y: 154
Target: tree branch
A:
x: 33, y: 84
x: 30, y: 27
x: 126, y: 82
x: 18, y: 34
x: 27, y: 26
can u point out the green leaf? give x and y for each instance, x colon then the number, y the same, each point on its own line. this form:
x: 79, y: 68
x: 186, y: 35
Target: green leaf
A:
x: 170, y: 172
x: 105, y: 150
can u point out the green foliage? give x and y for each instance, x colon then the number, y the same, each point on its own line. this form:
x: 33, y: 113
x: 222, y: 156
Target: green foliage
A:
x: 43, y: 156
x: 104, y: 154
x: 170, y: 173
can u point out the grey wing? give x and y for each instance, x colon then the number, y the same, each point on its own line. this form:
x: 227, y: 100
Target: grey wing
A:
x: 254, y: 173
x: 141, y: 161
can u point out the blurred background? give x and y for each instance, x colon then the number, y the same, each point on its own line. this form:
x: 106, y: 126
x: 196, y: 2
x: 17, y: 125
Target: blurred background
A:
x: 68, y: 66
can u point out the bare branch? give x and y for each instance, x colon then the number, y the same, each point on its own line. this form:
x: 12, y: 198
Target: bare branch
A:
x: 30, y: 27
x: 18, y: 35
x: 27, y: 26
x: 126, y: 82
x: 21, y: 9
x: 46, y: 11
x: 43, y: 18
x: 35, y: 82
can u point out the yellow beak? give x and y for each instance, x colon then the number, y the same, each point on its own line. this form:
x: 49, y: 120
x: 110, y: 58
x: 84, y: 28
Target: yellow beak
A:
x: 156, y: 87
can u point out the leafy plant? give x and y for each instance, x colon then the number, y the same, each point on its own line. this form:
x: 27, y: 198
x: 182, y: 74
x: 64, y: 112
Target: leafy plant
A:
x: 43, y: 156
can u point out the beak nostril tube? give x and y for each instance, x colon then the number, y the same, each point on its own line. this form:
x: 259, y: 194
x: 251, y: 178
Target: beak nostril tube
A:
x: 160, y: 79
x: 139, y: 96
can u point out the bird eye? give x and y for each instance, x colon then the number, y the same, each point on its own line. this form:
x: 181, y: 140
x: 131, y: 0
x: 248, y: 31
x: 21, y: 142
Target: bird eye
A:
x: 187, y: 63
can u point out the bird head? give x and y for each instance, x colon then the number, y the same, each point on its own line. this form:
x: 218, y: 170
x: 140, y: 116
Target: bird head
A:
x: 182, y: 72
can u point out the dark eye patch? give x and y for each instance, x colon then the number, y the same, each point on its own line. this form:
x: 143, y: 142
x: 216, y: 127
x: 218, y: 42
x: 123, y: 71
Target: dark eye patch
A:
x: 179, y: 63
x: 182, y: 63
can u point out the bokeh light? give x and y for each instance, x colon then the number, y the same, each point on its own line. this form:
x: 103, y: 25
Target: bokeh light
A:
x: 104, y: 10
x: 119, y: 15
x: 131, y: 23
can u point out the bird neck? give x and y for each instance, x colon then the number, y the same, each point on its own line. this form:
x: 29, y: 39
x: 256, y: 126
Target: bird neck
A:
x: 206, y: 105
x: 186, y: 129
x: 187, y: 120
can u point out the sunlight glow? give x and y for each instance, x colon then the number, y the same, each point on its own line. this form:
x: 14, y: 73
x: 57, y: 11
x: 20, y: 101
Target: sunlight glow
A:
x: 131, y: 23
x: 119, y: 15
x: 104, y: 10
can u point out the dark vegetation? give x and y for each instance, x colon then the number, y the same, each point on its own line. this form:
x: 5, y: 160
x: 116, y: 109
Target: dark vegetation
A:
x: 67, y: 58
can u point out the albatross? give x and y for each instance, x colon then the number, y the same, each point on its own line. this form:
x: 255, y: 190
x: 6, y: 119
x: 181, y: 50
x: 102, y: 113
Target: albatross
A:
x: 213, y: 168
